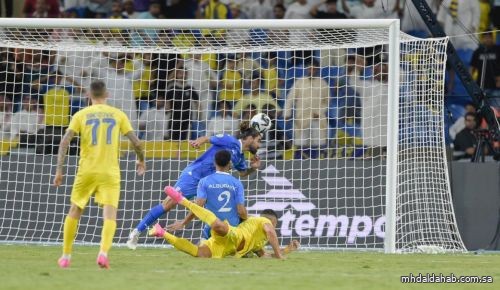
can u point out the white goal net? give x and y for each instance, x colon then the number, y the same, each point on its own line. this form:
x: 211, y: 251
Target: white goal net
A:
x: 355, y: 155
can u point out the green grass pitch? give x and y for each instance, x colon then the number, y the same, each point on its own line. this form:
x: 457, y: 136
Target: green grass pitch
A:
x: 34, y: 267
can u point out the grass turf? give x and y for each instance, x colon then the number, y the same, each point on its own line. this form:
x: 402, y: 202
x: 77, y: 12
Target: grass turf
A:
x: 34, y: 267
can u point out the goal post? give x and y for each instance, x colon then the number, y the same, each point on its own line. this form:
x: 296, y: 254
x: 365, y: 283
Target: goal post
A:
x: 392, y: 139
x: 355, y: 158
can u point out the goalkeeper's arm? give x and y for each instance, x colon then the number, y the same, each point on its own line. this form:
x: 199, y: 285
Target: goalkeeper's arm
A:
x: 293, y: 246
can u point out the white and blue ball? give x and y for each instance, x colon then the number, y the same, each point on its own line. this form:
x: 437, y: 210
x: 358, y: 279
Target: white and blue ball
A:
x: 261, y: 122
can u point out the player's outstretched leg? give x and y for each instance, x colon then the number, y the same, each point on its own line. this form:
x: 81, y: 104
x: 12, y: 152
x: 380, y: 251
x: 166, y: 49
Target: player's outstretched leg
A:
x: 178, y: 243
x: 203, y: 214
x: 149, y: 219
x: 173, y: 194
x: 157, y: 231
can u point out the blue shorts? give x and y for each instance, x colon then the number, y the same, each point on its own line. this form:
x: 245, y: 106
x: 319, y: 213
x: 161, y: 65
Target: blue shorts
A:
x: 187, y: 185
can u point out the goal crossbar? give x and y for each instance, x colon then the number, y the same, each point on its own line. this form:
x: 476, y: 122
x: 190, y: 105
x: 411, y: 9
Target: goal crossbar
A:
x: 195, y: 23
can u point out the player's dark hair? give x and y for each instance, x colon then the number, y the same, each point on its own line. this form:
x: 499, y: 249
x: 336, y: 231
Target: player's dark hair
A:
x: 98, y: 89
x: 470, y: 114
x: 246, y: 130
x: 269, y: 212
x: 222, y: 158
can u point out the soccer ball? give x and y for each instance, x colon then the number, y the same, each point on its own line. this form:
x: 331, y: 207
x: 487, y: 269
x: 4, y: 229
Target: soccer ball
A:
x: 261, y: 122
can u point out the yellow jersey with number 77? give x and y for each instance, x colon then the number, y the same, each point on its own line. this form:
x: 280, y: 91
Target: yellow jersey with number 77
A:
x: 100, y: 127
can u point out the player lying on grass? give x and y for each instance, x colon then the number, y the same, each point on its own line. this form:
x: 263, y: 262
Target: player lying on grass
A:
x: 248, y: 140
x: 248, y: 237
x: 220, y: 193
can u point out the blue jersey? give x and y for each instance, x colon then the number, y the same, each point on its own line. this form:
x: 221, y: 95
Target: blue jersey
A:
x: 204, y: 165
x: 222, y: 192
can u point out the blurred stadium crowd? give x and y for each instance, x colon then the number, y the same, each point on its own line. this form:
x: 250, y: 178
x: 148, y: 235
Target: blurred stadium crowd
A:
x: 178, y: 97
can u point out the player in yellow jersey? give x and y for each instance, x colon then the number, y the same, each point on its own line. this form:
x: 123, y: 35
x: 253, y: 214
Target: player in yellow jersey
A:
x: 99, y: 127
x: 248, y: 237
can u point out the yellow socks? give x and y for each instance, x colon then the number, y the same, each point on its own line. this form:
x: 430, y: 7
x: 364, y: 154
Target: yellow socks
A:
x: 70, y: 228
x: 107, y: 234
x: 69, y: 232
x: 182, y: 244
x: 203, y: 214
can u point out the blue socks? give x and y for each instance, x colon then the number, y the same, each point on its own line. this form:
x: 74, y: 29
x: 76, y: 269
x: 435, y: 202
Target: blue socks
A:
x: 153, y: 214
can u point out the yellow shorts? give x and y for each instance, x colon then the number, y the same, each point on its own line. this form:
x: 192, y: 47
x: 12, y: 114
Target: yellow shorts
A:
x: 106, y: 190
x: 221, y: 247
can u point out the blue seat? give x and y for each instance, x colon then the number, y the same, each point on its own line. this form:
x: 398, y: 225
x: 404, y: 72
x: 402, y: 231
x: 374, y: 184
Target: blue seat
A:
x: 197, y: 129
x: 465, y: 55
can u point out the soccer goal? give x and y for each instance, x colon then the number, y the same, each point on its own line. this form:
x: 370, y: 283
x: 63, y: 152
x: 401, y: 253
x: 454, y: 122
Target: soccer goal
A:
x: 355, y: 158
